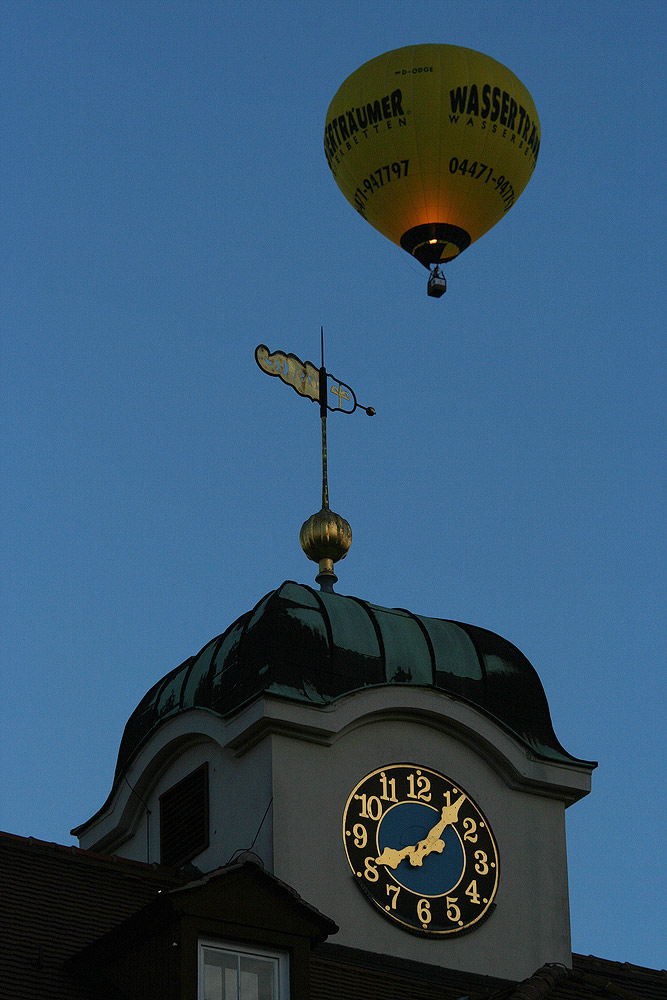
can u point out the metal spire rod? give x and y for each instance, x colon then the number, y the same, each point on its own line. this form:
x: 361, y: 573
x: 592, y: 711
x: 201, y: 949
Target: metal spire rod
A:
x: 325, y: 481
x: 323, y: 415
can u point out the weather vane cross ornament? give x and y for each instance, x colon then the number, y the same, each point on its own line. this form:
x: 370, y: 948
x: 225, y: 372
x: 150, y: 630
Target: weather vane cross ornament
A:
x: 326, y: 536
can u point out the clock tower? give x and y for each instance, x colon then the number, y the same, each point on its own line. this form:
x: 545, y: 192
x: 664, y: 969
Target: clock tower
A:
x: 400, y: 772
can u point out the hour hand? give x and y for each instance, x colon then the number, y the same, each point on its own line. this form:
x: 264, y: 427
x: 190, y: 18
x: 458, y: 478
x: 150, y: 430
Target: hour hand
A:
x: 430, y: 844
x: 415, y: 853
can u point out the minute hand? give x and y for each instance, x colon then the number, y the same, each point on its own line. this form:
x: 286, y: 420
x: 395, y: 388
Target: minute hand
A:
x: 431, y: 842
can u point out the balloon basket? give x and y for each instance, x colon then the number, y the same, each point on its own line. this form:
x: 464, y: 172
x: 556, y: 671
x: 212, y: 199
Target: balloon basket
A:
x: 437, y: 283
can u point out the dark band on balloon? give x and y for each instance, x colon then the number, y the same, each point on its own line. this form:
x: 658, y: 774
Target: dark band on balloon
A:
x: 427, y: 242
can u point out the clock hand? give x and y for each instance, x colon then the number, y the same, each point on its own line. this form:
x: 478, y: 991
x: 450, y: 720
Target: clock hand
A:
x: 450, y: 814
x: 431, y: 842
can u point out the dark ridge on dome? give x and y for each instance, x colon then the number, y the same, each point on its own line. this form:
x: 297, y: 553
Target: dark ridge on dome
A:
x: 314, y: 647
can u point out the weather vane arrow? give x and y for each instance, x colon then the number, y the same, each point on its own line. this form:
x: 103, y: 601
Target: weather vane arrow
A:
x: 326, y: 536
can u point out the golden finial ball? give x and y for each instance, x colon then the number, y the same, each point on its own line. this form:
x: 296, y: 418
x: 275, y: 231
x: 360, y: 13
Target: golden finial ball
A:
x: 325, y: 536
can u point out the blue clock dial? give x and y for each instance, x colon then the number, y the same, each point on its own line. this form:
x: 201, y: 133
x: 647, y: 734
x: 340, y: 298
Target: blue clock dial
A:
x: 409, y: 823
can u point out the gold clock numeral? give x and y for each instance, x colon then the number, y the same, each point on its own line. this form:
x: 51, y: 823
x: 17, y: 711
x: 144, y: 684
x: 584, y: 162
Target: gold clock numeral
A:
x: 424, y: 911
x: 472, y: 893
x: 470, y: 827
x: 423, y: 792
x: 453, y: 912
x: 387, y: 788
x: 393, y: 891
x: 481, y: 867
x: 370, y: 871
x: 371, y: 807
x: 360, y: 835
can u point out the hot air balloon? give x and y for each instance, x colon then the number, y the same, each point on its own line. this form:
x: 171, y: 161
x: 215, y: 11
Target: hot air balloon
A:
x: 432, y: 144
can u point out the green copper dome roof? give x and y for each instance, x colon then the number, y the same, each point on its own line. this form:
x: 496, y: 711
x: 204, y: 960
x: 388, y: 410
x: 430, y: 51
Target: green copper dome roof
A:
x: 314, y: 647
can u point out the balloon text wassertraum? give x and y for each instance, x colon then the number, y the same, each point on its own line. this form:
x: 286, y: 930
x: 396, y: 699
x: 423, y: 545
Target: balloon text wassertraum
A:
x: 432, y: 144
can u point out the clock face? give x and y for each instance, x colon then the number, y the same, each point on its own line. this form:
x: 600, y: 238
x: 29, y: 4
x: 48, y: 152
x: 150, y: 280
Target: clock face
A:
x: 421, y: 849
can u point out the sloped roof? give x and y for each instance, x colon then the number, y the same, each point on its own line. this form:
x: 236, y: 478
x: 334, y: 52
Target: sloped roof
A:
x: 589, y: 978
x: 309, y: 646
x: 622, y: 979
x: 54, y: 900
x: 253, y: 870
x: 339, y: 972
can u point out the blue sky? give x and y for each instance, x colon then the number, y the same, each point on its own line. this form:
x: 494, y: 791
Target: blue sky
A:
x: 166, y: 206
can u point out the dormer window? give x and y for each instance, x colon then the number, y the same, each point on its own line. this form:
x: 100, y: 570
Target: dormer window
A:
x: 229, y: 972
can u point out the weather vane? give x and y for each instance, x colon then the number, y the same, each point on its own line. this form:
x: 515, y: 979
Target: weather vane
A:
x: 326, y: 536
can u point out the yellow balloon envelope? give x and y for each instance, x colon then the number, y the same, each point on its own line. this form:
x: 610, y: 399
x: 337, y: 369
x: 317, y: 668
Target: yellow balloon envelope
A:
x: 432, y: 144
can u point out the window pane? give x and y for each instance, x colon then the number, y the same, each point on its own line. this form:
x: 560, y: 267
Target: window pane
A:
x: 220, y: 975
x: 258, y: 978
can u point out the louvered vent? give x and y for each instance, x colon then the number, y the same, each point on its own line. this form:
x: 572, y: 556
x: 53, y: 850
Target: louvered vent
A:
x: 184, y: 818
